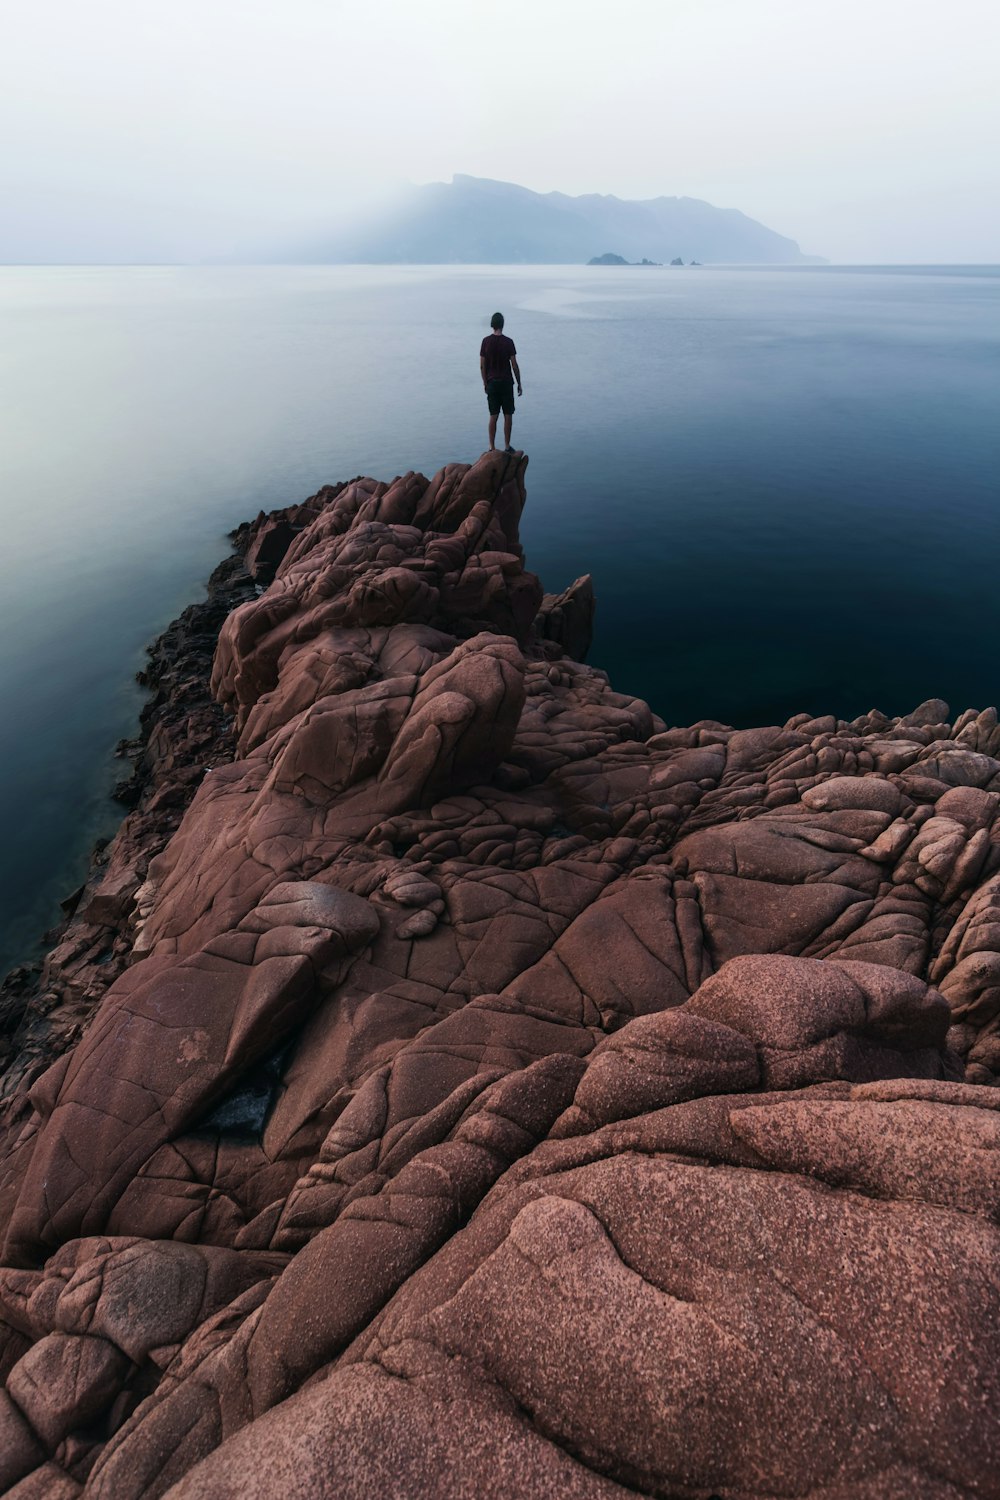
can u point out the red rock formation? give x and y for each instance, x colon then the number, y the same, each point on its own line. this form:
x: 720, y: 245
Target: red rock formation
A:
x: 508, y: 1096
x: 44, y: 1009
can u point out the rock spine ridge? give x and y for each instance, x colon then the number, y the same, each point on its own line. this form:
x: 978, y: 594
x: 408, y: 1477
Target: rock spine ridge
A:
x: 498, y: 1092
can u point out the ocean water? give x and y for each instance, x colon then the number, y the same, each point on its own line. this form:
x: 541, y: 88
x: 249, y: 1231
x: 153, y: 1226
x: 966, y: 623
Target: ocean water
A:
x: 785, y: 482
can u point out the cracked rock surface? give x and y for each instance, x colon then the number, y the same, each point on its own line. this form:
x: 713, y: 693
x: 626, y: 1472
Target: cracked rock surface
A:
x: 506, y: 1095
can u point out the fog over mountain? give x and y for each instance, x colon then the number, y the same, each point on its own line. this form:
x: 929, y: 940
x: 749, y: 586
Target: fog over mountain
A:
x: 475, y: 220
x: 240, y: 130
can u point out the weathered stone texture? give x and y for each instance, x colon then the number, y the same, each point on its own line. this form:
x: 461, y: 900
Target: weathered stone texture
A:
x: 509, y: 1095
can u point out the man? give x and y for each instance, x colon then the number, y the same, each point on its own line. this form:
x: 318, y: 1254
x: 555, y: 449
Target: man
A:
x: 497, y: 358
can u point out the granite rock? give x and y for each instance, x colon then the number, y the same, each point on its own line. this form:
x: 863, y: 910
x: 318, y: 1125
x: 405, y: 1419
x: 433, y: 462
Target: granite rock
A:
x: 501, y: 1093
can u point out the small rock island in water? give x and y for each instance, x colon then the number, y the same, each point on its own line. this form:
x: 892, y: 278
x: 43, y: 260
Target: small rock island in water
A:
x: 609, y: 258
x: 455, y: 1081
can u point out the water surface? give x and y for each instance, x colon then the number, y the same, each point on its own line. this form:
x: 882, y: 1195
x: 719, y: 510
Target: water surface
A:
x: 783, y: 481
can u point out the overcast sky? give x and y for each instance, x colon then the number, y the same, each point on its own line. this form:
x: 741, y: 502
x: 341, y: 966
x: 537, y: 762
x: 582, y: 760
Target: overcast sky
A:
x: 868, y: 130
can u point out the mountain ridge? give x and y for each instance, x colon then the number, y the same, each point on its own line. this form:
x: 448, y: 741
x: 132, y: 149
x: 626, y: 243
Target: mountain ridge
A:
x: 480, y: 220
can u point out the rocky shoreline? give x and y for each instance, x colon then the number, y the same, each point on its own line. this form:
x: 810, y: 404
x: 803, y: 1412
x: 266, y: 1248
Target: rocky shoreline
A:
x: 44, y: 1006
x: 452, y: 1081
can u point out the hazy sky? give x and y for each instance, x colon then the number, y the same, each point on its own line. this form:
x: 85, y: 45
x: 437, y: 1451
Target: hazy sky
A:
x: 190, y: 129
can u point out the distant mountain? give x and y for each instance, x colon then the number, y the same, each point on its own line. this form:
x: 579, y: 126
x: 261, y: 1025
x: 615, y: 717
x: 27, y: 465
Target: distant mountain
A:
x: 475, y: 221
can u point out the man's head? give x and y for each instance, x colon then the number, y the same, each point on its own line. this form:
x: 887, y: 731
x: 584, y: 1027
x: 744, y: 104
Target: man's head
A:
x: 496, y: 322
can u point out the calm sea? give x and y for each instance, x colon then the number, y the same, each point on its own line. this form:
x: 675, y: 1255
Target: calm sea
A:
x: 785, y: 482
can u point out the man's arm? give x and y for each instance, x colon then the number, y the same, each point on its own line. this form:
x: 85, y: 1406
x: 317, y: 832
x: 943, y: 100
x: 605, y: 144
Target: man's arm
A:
x: 517, y: 373
x: 482, y: 369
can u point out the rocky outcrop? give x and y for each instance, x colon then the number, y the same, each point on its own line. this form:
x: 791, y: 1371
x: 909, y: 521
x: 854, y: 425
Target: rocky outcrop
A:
x: 508, y: 1095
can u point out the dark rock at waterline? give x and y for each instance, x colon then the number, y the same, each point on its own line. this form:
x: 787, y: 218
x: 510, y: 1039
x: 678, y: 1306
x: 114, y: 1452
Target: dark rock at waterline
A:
x: 611, y: 259
x: 693, y: 1032
x: 182, y: 729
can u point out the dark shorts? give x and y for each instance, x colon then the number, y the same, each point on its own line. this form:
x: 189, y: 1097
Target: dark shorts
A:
x: 500, y: 397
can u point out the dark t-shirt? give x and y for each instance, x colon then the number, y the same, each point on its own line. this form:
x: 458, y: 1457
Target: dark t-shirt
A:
x: 498, y: 351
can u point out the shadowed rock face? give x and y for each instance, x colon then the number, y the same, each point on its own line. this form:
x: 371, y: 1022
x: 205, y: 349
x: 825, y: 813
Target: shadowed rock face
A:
x: 509, y: 1096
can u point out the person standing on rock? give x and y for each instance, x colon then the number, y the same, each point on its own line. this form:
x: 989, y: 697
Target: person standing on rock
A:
x: 497, y: 359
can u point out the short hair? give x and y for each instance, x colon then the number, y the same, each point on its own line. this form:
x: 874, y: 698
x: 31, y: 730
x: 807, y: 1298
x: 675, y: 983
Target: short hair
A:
x: 497, y: 320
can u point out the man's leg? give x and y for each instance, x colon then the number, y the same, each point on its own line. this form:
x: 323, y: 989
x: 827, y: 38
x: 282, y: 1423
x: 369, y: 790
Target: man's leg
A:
x: 508, y: 422
x: 493, y: 432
